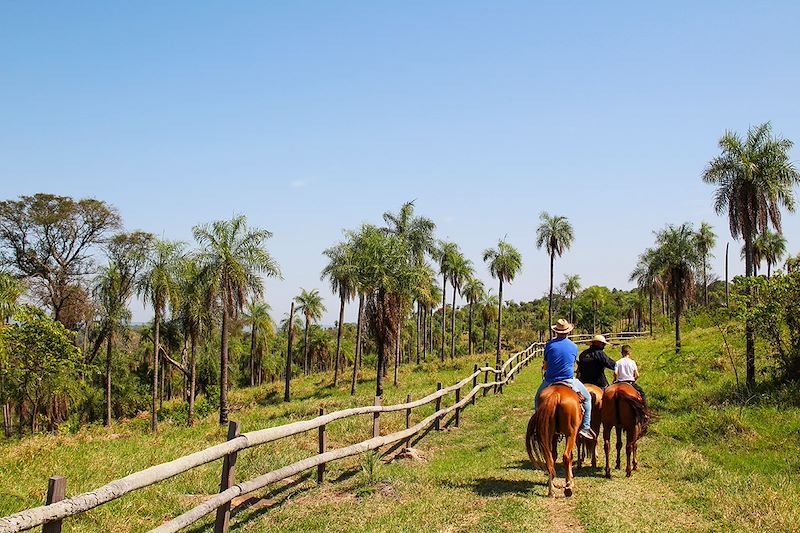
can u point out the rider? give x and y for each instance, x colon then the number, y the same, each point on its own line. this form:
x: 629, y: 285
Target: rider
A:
x: 626, y: 371
x: 593, y: 362
x: 559, y: 364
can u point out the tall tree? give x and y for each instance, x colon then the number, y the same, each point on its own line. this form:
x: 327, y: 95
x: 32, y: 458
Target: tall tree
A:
x: 10, y: 291
x: 571, y: 285
x: 556, y: 235
x: 310, y: 304
x: 195, y: 315
x: 387, y: 278
x: 504, y: 264
x: 755, y: 178
x: 50, y: 240
x: 706, y: 240
x: 678, y: 256
x: 446, y: 254
x: 460, y: 271
x: 645, y: 275
x: 233, y: 259
x: 774, y: 248
x: 113, y: 290
x: 474, y: 292
x: 260, y: 326
x: 341, y: 273
x: 158, y: 286
x: 597, y: 297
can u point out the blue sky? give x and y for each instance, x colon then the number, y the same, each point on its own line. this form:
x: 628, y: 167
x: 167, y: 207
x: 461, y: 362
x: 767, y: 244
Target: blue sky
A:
x: 311, y: 117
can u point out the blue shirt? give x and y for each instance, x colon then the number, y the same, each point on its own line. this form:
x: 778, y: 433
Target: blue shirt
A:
x: 560, y: 355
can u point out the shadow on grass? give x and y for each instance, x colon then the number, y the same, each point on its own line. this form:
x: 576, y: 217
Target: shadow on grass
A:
x: 500, y: 487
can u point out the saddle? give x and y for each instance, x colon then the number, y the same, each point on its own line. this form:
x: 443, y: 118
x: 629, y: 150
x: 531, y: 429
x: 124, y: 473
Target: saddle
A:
x: 568, y: 385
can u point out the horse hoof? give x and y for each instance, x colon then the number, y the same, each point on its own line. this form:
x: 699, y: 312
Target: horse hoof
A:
x: 628, y: 473
x: 608, y: 475
x: 568, y: 491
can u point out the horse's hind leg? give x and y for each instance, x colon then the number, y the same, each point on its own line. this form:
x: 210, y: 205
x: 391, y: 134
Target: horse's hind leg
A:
x: 581, y: 452
x: 568, y: 466
x: 629, y: 447
x: 593, y: 446
x: 619, y: 447
x: 607, y: 447
x: 636, y: 453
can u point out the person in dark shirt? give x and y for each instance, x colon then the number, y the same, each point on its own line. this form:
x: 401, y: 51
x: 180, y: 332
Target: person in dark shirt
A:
x: 593, y: 361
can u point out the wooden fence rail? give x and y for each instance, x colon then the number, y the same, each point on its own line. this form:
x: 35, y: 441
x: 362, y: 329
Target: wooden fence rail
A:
x: 58, y: 510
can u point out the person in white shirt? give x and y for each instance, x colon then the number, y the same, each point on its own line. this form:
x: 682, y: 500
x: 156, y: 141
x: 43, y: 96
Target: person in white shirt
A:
x: 626, y: 371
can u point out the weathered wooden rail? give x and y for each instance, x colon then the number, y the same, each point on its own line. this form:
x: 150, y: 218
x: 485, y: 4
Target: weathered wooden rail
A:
x: 51, y: 515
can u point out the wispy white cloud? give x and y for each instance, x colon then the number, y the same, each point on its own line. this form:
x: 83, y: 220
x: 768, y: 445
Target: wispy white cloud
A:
x: 297, y: 184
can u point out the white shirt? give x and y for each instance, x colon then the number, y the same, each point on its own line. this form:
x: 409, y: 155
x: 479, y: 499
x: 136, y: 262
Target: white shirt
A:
x: 626, y: 369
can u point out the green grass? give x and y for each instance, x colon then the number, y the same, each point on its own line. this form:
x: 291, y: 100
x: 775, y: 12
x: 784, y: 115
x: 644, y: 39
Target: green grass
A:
x: 715, y: 460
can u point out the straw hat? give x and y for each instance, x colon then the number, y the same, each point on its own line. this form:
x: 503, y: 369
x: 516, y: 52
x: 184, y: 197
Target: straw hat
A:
x: 562, y: 326
x: 599, y: 339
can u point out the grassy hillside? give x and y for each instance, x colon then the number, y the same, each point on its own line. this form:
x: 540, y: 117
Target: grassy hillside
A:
x: 713, y: 461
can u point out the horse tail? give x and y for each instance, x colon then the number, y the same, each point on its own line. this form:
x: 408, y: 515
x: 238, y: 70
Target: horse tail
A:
x: 539, y: 436
x: 641, y: 414
x: 531, y: 437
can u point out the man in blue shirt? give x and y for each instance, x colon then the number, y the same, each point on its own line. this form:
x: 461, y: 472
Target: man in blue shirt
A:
x: 559, y: 365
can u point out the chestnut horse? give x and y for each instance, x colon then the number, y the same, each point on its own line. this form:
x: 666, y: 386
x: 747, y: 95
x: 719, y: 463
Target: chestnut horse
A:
x: 585, y: 446
x: 624, y: 409
x: 559, y: 413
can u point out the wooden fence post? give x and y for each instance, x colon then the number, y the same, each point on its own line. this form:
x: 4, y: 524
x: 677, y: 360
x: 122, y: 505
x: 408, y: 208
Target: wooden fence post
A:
x: 376, y: 420
x: 458, y: 409
x: 486, y: 378
x: 408, y: 421
x: 474, y: 382
x: 438, y: 424
x: 500, y: 379
x: 56, y: 490
x: 496, y: 377
x: 228, y: 478
x: 323, y: 443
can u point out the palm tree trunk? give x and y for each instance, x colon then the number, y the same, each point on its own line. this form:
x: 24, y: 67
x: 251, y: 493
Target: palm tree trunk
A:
x: 678, y: 301
x: 705, y: 282
x: 430, y: 330
x: 453, y: 327
x: 419, y: 323
x: 499, y: 321
x: 107, y: 421
x: 156, y: 359
x: 253, y: 355
x: 306, y: 361
x: 769, y: 269
x: 192, y: 377
x: 651, y: 312
x: 469, y: 338
x: 750, y: 348
x: 396, y: 357
x: 339, y: 342
x: 288, y: 372
x: 444, y: 312
x: 223, y: 365
x: 550, y: 299
x: 357, y: 356
x: 483, y: 343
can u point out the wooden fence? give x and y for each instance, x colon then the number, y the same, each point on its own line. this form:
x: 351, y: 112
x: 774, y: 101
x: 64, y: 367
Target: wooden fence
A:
x: 57, y: 508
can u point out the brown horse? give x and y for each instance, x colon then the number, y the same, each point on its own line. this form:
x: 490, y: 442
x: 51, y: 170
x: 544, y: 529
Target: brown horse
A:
x: 586, y: 447
x: 624, y: 409
x: 559, y: 413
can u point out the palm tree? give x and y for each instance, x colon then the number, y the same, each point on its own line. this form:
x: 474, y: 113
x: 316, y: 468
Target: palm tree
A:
x: 460, y: 271
x: 158, y: 286
x: 597, y: 297
x: 504, y: 264
x: 706, y: 240
x: 260, y: 324
x: 645, y: 275
x: 571, y: 286
x: 310, y: 304
x: 556, y: 235
x: 196, y: 318
x: 774, y: 248
x: 474, y: 292
x: 233, y: 260
x: 755, y: 178
x: 447, y: 251
x: 340, y: 270
x: 678, y: 256
x: 488, y: 314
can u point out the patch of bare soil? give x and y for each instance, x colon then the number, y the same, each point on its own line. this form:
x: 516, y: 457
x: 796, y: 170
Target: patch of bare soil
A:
x: 561, y: 511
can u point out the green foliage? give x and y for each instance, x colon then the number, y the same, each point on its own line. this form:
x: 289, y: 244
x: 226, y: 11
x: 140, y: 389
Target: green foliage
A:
x: 41, y: 363
x: 773, y: 307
